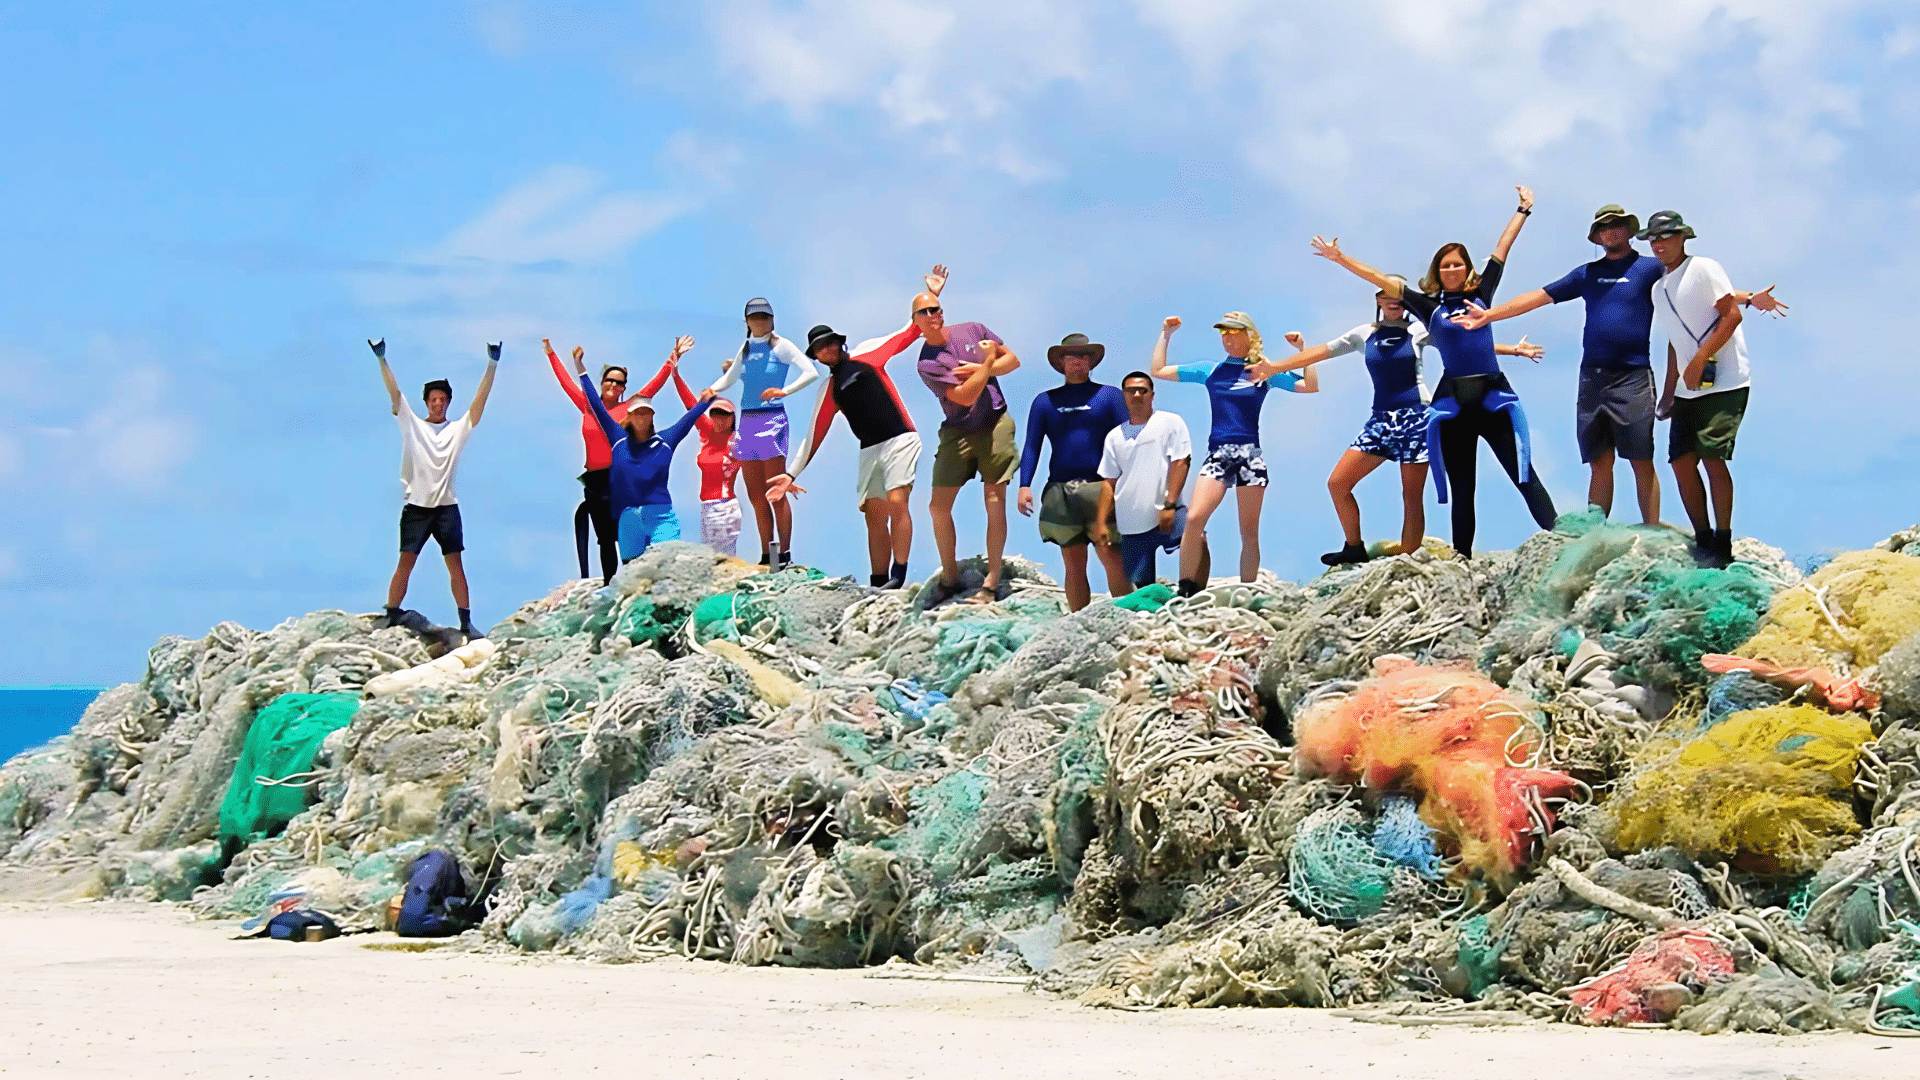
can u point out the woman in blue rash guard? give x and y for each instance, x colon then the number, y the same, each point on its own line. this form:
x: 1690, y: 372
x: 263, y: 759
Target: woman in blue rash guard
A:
x: 1396, y: 430
x: 641, y: 460
x: 1236, y: 388
x: 1473, y: 401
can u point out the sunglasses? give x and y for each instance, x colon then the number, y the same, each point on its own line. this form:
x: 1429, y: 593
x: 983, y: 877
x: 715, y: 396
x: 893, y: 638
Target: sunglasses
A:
x: 616, y: 382
x: 925, y: 311
x: 1137, y: 390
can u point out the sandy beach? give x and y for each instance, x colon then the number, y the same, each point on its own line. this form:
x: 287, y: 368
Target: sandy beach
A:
x: 125, y: 990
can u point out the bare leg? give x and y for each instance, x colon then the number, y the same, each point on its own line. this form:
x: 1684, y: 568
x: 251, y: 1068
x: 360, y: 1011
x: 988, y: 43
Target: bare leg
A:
x: 1413, y: 507
x: 902, y: 523
x: 1600, y: 483
x: 1646, y: 483
x: 1250, y: 499
x: 944, y: 538
x: 397, y: 588
x: 996, y: 500
x: 1693, y: 493
x: 457, y: 577
x: 1207, y: 493
x: 782, y: 510
x: 754, y: 475
x: 1117, y: 583
x: 1353, y: 467
x: 1079, y: 590
x: 879, y: 544
x: 1720, y: 484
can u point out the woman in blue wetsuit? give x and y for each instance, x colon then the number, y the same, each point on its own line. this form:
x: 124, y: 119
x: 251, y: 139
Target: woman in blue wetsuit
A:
x: 1236, y: 388
x: 1396, y: 430
x: 641, y: 461
x: 1473, y: 401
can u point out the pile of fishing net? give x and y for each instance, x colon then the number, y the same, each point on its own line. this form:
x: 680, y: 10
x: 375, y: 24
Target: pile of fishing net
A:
x: 1586, y: 780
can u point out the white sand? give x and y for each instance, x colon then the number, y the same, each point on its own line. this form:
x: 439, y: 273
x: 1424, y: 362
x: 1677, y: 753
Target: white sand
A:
x: 130, y: 991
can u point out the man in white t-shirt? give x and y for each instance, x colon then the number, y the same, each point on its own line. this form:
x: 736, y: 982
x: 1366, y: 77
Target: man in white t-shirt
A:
x: 1698, y: 310
x: 429, y: 454
x: 1143, y: 470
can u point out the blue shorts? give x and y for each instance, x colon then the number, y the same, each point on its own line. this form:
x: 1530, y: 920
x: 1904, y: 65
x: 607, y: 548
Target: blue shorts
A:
x: 1398, y: 435
x: 641, y: 527
x: 1137, y: 551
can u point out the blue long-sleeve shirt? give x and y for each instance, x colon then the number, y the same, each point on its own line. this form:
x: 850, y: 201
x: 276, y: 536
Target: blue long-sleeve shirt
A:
x: 639, y: 476
x: 1077, y: 417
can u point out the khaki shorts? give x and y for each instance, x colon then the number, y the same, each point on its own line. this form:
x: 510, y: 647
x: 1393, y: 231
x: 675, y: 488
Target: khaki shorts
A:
x: 1067, y: 512
x: 1706, y: 425
x: 963, y: 454
x: 888, y: 465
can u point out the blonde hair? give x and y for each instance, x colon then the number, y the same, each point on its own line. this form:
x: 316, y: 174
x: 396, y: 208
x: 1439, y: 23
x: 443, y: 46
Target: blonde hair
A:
x: 1256, y: 349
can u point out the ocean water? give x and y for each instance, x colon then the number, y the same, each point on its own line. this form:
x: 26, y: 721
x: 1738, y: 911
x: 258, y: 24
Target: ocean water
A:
x: 32, y: 715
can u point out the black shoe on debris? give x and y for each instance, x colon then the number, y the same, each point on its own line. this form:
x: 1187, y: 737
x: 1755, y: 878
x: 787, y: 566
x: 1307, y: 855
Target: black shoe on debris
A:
x: 1346, y: 556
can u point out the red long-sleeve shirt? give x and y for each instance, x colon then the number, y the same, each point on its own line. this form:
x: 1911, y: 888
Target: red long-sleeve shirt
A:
x: 599, y: 456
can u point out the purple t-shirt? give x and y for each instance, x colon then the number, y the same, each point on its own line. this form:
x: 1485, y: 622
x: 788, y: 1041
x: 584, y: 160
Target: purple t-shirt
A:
x: 936, y: 370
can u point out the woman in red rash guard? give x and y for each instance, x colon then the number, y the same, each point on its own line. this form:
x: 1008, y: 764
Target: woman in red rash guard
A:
x: 594, y: 505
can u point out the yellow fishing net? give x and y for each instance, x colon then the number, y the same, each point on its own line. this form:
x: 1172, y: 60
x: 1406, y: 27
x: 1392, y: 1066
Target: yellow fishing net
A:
x: 1768, y: 788
x: 1856, y: 608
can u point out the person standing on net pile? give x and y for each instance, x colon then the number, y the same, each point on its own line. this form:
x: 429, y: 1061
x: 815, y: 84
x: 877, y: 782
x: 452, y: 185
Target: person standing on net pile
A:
x: 429, y: 454
x: 1076, y: 417
x: 1144, y: 463
x: 594, y: 509
x: 858, y: 385
x: 1474, y: 400
x: 1614, y: 410
x: 641, y: 460
x: 720, y: 516
x: 768, y: 368
x: 1236, y: 388
x: 962, y: 364
x: 1705, y: 396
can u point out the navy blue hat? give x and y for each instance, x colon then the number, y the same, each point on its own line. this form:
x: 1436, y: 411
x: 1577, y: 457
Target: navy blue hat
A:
x: 759, y: 306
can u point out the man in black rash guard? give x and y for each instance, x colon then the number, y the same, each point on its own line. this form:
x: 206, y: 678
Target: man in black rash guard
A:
x: 857, y: 385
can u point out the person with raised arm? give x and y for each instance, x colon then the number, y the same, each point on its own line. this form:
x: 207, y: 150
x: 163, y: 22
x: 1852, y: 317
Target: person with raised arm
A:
x: 1235, y: 391
x: 1473, y: 401
x: 769, y: 368
x: 962, y: 364
x: 429, y: 455
x: 641, y: 460
x: 1075, y: 417
x: 1396, y: 430
x: 720, y: 516
x: 858, y: 386
x: 594, y: 508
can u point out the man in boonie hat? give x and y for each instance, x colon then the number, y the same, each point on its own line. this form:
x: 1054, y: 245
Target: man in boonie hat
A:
x: 1699, y: 312
x: 1075, y: 416
x: 857, y: 385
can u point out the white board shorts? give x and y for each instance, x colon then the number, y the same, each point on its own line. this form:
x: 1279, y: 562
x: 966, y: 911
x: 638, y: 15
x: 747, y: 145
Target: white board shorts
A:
x: 888, y: 465
x: 720, y: 525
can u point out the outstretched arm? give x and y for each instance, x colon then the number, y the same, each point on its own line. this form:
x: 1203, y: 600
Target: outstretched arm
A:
x: 679, y: 428
x: 1158, y: 366
x: 1476, y: 316
x: 560, y: 372
x: 1512, y: 231
x: 1330, y: 250
x: 1305, y: 358
x: 386, y: 375
x: 1763, y: 301
x: 486, y: 385
x: 1522, y: 348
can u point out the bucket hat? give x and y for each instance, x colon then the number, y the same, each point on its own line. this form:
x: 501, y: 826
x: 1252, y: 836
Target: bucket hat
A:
x: 1612, y: 214
x: 1075, y: 343
x: 1664, y: 223
x: 820, y: 337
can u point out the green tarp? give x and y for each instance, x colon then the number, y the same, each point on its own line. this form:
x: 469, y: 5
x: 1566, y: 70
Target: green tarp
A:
x: 281, y: 743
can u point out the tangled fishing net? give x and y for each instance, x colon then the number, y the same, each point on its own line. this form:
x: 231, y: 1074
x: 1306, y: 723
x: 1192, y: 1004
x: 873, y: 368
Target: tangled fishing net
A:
x: 1585, y: 780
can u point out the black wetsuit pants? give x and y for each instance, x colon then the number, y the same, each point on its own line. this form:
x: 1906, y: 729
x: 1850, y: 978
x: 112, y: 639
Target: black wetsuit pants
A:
x: 596, y: 506
x: 1460, y: 452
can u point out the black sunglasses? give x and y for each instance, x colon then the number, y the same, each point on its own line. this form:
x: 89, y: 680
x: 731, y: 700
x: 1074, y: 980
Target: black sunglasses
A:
x: 1136, y: 390
x: 926, y: 311
x: 616, y: 382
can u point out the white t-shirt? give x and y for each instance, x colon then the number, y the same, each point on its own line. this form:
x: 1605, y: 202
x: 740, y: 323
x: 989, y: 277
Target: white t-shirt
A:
x: 1683, y: 309
x: 428, y: 455
x: 1135, y: 457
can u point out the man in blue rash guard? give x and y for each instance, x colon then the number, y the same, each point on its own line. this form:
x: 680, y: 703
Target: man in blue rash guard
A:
x: 1075, y: 417
x: 641, y: 460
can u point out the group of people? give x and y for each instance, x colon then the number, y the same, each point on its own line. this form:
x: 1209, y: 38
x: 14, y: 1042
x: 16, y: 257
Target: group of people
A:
x: 1117, y: 475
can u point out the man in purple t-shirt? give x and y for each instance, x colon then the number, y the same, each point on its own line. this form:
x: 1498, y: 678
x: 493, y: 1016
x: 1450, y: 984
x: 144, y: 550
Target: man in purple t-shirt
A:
x: 961, y: 363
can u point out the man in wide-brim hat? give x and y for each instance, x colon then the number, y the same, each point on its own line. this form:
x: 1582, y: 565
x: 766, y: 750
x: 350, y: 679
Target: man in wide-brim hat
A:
x: 1075, y: 417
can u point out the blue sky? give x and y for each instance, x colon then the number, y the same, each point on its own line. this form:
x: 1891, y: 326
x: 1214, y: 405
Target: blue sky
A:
x: 212, y: 206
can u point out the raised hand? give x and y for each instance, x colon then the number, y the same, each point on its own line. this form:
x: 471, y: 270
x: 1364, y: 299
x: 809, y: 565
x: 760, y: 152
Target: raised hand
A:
x: 1473, y: 318
x: 1326, y: 249
x: 681, y: 346
x: 379, y: 347
x: 493, y: 351
x: 579, y: 354
x: 705, y: 395
x: 1169, y: 324
x: 936, y: 278
x: 1764, y: 301
x: 1296, y: 339
x: 1526, y: 196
